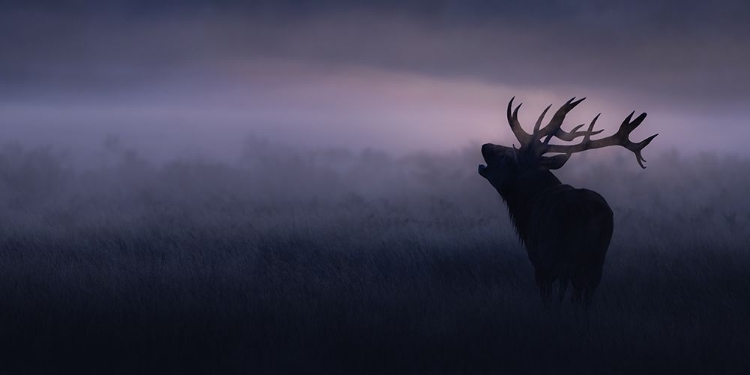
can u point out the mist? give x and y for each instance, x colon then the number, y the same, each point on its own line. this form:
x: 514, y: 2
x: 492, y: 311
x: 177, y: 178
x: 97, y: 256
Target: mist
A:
x: 292, y: 187
x: 337, y: 257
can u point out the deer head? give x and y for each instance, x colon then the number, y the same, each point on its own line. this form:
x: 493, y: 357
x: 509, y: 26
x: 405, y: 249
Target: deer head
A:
x: 506, y: 164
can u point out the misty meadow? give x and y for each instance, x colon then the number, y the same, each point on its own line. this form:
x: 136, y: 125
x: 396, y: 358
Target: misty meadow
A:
x: 314, y: 187
x: 331, y: 260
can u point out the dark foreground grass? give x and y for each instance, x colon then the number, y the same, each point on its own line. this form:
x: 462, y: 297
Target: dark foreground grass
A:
x: 346, y: 299
x: 175, y: 274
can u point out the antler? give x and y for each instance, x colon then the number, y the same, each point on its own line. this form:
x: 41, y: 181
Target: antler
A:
x: 553, y: 127
x: 523, y: 137
x: 532, y: 142
x: 620, y: 138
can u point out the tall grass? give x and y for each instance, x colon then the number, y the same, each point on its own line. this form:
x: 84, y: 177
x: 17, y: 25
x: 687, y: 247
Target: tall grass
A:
x: 333, y: 261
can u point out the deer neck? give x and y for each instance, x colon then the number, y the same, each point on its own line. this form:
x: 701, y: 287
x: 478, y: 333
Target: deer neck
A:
x: 521, y: 196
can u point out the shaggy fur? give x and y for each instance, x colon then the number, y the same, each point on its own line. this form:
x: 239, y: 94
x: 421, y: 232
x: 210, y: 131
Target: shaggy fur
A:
x: 566, y: 231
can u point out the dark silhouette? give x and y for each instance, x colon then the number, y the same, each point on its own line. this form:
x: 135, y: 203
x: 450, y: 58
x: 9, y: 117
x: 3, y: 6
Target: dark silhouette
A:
x: 566, y: 231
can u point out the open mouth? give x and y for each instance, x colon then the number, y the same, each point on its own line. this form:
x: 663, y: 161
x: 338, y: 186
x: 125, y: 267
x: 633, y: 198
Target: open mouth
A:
x: 482, y: 169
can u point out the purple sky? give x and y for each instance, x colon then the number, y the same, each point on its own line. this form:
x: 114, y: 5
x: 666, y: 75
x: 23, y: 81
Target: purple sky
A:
x: 197, y: 80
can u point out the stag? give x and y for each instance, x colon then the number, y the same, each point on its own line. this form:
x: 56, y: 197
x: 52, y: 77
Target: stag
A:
x: 566, y: 231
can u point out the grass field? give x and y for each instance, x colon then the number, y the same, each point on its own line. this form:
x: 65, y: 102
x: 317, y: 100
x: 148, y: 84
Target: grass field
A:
x: 333, y: 261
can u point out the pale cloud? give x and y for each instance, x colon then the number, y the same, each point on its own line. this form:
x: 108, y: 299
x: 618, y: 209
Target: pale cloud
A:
x: 397, y: 81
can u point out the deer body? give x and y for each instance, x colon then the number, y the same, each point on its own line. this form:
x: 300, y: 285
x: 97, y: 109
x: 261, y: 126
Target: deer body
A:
x: 566, y: 231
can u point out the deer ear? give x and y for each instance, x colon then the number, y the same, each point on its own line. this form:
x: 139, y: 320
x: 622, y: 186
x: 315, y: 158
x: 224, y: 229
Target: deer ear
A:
x: 553, y: 162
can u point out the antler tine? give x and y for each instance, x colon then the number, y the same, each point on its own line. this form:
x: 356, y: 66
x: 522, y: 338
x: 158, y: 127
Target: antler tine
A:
x: 557, y: 119
x: 640, y: 146
x: 573, y: 134
x: 541, y: 117
x: 523, y: 137
x: 586, y: 135
x: 553, y: 128
x: 620, y: 138
x: 591, y: 128
x: 565, y: 136
x: 626, y: 128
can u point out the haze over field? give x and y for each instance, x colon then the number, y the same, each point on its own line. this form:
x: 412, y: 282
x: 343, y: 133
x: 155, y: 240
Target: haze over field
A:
x: 283, y: 186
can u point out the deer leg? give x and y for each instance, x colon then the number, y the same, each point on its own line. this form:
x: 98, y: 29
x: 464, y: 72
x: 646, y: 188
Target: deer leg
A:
x: 543, y: 290
x: 585, y: 281
x: 593, y: 277
x: 579, y: 295
x: 578, y: 287
x: 587, y: 296
x: 562, y: 287
x: 544, y: 282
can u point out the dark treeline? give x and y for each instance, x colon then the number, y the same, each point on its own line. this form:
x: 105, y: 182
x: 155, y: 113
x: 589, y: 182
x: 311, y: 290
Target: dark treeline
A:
x: 335, y: 261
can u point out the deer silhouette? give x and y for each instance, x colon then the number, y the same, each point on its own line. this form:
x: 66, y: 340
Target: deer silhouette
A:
x: 566, y: 231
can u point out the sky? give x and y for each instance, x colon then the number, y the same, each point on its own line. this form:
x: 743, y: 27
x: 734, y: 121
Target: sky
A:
x: 199, y: 77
